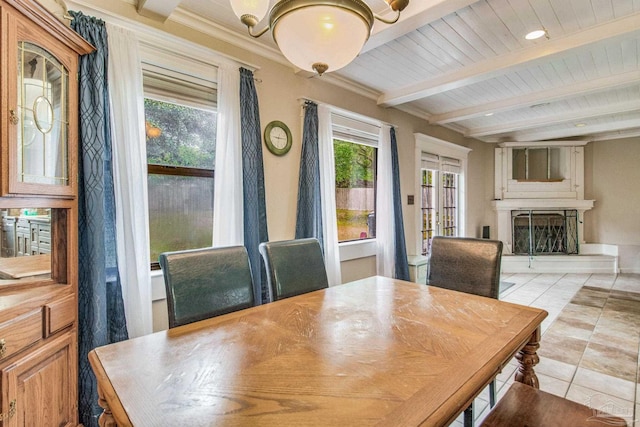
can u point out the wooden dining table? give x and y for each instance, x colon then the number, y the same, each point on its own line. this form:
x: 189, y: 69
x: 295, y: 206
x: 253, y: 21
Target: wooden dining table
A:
x: 373, y: 352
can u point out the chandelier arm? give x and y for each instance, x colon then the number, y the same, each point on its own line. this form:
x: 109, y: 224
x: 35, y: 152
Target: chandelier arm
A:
x: 256, y: 35
x: 388, y: 21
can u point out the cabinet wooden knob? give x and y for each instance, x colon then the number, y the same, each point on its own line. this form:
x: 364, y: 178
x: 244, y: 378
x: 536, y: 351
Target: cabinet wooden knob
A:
x: 13, y: 117
x: 11, y: 413
x: 3, y: 348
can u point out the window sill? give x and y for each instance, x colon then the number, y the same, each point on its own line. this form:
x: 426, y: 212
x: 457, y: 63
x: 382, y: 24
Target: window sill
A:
x: 357, y: 249
x: 158, y: 291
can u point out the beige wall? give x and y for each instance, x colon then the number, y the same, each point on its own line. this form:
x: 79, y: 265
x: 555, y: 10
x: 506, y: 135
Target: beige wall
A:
x: 612, y: 179
x: 279, y: 92
x: 611, y: 171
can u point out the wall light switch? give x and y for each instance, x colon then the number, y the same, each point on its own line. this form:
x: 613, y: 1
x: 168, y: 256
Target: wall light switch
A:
x: 410, y: 199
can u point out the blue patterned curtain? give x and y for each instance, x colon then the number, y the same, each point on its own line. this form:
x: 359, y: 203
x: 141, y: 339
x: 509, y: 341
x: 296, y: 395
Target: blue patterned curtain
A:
x: 101, y: 317
x: 255, y: 211
x: 402, y: 264
x: 309, y: 213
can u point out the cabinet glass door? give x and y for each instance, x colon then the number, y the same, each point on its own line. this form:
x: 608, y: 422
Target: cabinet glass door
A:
x: 42, y: 117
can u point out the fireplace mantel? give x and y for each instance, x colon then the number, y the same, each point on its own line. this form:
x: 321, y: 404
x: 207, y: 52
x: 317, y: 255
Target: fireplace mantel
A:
x: 541, y: 204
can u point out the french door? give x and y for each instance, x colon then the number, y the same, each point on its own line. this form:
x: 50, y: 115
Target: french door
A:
x: 439, y: 205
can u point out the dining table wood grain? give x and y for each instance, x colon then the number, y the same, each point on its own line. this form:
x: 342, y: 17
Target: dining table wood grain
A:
x: 373, y: 352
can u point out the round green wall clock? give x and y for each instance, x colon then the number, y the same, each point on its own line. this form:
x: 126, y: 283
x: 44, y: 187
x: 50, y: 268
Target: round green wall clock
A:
x: 277, y: 138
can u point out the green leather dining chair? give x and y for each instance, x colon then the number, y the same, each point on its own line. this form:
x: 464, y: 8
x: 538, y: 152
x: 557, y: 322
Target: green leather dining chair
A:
x: 293, y: 267
x: 467, y: 265
x: 206, y: 282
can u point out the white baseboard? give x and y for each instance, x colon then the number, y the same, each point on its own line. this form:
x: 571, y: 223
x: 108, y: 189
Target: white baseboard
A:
x: 560, y: 264
x: 629, y: 271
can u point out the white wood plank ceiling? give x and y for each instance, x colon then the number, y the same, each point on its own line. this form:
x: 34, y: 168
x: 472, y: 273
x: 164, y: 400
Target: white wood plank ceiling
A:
x: 466, y: 65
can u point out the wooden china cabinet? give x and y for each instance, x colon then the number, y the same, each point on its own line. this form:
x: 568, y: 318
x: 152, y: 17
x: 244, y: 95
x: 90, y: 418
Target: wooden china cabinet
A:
x: 39, y: 217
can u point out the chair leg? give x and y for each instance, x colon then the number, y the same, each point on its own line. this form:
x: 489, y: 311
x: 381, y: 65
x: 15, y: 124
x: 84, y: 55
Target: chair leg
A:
x: 492, y: 394
x: 468, y: 416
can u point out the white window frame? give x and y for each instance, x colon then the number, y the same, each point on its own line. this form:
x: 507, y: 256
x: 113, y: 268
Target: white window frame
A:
x: 160, y: 53
x: 431, y: 145
x: 358, y: 129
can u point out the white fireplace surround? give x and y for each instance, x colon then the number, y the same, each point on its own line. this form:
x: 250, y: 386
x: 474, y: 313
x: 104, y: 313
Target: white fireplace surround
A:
x: 503, y: 210
x: 563, y: 192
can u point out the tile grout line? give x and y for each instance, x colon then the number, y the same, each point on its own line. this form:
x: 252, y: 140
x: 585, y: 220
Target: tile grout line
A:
x: 589, y: 340
x: 575, y: 372
x: 634, y: 420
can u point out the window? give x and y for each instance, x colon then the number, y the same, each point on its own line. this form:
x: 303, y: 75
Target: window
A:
x: 355, y: 190
x: 355, y: 153
x: 180, y: 123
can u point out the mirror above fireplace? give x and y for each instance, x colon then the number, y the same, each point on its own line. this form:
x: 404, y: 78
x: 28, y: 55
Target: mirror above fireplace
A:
x: 544, y: 169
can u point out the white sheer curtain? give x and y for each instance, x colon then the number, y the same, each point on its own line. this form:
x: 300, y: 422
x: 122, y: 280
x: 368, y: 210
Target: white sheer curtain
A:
x: 328, y: 196
x: 228, y: 214
x: 130, y: 178
x: 385, y: 230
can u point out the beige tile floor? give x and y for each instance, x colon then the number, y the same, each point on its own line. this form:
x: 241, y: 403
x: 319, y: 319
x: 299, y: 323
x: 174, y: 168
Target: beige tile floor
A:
x: 589, y: 351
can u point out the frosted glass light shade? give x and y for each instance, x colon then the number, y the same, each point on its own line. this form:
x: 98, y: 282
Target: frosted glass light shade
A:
x: 321, y: 34
x: 257, y: 8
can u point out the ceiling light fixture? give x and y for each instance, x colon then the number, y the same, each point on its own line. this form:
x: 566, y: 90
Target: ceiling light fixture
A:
x: 320, y: 35
x: 536, y: 34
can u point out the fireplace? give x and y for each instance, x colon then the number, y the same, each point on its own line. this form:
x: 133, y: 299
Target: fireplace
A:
x: 556, y: 225
x: 547, y: 232
x: 539, y: 197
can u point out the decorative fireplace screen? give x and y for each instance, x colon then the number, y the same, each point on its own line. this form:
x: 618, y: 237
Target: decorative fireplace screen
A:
x: 545, y: 232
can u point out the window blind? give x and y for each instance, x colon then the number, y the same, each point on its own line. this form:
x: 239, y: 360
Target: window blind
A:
x: 440, y: 163
x: 178, y: 88
x: 353, y: 130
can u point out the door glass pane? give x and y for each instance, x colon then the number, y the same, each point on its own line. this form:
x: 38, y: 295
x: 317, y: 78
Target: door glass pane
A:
x: 449, y: 212
x: 428, y: 209
x: 42, y: 117
x: 180, y: 213
x: 439, y: 206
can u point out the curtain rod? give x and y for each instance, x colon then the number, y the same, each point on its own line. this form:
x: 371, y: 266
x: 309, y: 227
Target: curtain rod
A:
x: 349, y: 114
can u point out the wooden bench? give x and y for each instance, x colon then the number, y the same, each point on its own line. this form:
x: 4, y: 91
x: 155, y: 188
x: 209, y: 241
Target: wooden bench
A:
x: 526, y: 406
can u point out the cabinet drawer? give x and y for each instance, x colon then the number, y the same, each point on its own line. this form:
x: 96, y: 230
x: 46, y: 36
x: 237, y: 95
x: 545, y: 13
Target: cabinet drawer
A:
x: 23, y: 226
x: 19, y: 333
x: 59, y: 314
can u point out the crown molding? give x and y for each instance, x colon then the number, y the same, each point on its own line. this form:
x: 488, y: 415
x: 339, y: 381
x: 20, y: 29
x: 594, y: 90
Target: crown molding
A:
x: 248, y: 43
x: 180, y: 16
x: 244, y: 42
x: 154, y: 38
x: 621, y: 134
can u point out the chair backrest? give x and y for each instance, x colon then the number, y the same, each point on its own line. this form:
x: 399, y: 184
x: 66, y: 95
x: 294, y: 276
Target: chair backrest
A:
x: 466, y: 264
x: 207, y: 282
x: 293, y: 267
